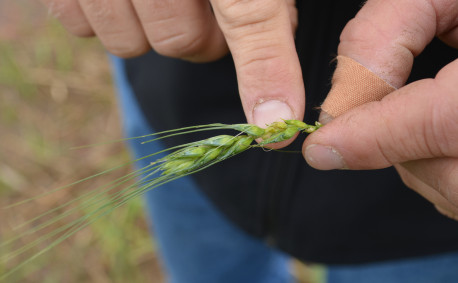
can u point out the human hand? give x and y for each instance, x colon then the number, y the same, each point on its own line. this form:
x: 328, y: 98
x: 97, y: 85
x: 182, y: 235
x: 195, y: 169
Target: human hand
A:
x: 415, y: 128
x: 259, y: 34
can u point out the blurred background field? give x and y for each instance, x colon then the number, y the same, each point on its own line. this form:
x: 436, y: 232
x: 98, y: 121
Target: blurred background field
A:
x: 56, y: 93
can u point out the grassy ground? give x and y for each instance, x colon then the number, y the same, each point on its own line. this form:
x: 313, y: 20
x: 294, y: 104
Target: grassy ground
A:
x: 56, y: 93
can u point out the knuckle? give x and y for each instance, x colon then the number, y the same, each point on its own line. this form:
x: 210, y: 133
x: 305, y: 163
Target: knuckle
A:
x: 367, y: 37
x: 430, y: 140
x: 125, y: 48
x: 362, y: 31
x: 389, y: 147
x: 59, y: 9
x: 70, y: 16
x: 446, y: 12
x: 422, y: 133
x: 445, y: 123
x: 80, y: 29
x: 259, y: 55
x: 242, y: 13
x: 178, y: 44
x: 101, y: 11
x: 56, y: 8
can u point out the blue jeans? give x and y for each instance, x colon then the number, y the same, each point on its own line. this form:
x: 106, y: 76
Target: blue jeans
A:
x: 198, y: 244
x: 441, y: 268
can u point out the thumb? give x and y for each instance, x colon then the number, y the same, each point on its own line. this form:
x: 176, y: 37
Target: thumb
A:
x: 260, y: 37
x: 417, y: 121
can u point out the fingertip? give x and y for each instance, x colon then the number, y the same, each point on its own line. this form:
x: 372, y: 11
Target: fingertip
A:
x: 267, y: 112
x: 323, y: 157
x: 325, y: 118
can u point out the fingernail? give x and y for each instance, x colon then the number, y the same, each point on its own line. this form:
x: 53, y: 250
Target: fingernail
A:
x: 324, y: 157
x: 325, y: 118
x: 271, y: 111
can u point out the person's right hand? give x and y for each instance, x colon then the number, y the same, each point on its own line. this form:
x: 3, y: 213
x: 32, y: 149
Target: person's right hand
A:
x: 259, y: 34
x: 414, y: 128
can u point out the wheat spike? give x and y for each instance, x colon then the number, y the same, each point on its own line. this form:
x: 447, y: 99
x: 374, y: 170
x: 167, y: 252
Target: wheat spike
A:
x: 185, y: 160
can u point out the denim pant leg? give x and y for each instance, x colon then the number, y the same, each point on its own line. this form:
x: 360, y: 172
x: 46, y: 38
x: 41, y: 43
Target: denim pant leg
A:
x: 196, y: 243
x: 441, y: 268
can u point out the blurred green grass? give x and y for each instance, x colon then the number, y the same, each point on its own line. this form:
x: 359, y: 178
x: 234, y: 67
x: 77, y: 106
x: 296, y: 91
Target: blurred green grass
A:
x: 56, y: 93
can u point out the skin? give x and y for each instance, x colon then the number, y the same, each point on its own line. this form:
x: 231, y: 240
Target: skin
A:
x: 259, y: 34
x: 415, y: 128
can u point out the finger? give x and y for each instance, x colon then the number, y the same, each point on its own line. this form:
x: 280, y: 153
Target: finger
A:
x: 450, y: 36
x: 260, y: 38
x: 384, y: 37
x: 453, y: 214
x: 293, y: 14
x: 182, y: 29
x: 443, y: 205
x: 69, y: 13
x: 441, y: 174
x: 116, y: 25
x: 396, y: 31
x: 415, y: 122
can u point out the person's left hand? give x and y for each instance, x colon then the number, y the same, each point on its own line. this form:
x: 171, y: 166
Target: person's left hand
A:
x: 415, y: 128
x: 259, y: 34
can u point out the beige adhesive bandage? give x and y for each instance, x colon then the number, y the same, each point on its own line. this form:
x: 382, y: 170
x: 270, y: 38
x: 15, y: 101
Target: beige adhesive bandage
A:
x: 353, y: 85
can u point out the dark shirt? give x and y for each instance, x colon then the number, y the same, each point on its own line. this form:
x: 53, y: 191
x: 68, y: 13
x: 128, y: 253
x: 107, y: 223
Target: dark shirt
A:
x: 334, y: 217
